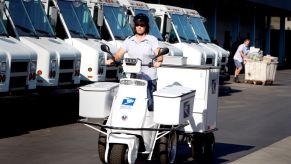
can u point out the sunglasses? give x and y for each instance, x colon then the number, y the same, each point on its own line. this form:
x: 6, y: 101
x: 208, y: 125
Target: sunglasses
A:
x: 140, y: 24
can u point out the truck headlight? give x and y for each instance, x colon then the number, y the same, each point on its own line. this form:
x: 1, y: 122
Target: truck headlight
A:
x: 32, y: 66
x: 202, y: 60
x: 3, y: 66
x: 53, y: 64
x: 77, y: 65
x: 102, y: 58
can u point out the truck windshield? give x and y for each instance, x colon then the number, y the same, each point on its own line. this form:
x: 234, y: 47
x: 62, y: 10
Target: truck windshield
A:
x: 183, y: 28
x: 200, y: 30
x: 117, y: 21
x: 20, y: 18
x: 38, y: 18
x: 29, y: 16
x: 153, y: 26
x: 78, y: 19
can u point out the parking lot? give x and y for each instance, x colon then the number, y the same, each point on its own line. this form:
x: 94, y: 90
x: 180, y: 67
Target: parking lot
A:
x: 43, y: 129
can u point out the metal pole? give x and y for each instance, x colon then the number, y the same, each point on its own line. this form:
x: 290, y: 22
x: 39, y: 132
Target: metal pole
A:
x: 236, y: 27
x: 214, y: 22
x: 282, y: 41
x: 268, y: 35
x: 253, y: 36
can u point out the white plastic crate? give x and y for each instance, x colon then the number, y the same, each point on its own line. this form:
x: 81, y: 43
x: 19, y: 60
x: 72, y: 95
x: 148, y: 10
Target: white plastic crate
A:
x: 173, y: 105
x: 260, y: 71
x: 95, y: 99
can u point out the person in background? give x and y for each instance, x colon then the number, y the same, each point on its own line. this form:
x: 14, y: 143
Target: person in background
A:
x: 239, y: 57
x: 143, y: 46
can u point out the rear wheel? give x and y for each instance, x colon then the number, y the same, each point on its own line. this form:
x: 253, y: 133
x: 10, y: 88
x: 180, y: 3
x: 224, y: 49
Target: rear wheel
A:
x: 118, y: 154
x: 197, y: 147
x: 168, y: 148
x: 203, y: 147
x: 102, y: 141
x: 209, y: 146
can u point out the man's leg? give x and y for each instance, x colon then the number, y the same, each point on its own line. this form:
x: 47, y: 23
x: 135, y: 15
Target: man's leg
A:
x: 238, y: 66
x: 237, y: 74
x: 237, y: 71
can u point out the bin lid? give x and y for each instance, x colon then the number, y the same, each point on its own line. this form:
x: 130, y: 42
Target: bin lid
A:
x: 100, y: 86
x: 173, y: 91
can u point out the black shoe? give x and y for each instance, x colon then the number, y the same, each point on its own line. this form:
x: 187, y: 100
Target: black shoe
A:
x: 235, y: 79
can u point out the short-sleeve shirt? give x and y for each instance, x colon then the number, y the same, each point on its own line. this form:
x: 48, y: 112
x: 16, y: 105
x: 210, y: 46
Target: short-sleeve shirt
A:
x: 237, y: 55
x: 144, y: 50
x: 246, y: 50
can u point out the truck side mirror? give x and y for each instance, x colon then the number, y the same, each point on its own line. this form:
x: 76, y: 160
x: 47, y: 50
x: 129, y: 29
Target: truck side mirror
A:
x: 203, y: 19
x: 124, y: 9
x: 105, y: 48
x: 1, y: 9
x: 130, y: 20
x: 163, y: 51
x: 168, y: 25
x: 100, y: 17
x: 1, y: 6
x: 53, y: 16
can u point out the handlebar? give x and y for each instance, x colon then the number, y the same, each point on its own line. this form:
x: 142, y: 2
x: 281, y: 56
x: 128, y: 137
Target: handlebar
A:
x: 162, y: 51
x: 151, y: 64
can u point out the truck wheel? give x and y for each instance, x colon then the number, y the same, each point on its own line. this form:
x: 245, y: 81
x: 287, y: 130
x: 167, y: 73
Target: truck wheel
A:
x: 197, y: 147
x: 102, y: 141
x: 168, y: 148
x: 118, y: 154
x: 209, y: 146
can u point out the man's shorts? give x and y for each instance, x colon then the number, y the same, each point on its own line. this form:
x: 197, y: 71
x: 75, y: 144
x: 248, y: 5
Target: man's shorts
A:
x: 238, y: 64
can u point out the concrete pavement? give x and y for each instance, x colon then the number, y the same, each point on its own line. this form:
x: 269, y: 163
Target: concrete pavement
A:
x: 277, y: 153
x: 253, y: 127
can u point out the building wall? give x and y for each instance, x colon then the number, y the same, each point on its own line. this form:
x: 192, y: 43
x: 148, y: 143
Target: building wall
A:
x: 229, y: 22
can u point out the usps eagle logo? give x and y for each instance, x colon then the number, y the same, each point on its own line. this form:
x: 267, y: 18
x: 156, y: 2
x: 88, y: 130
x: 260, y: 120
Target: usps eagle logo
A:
x: 128, y: 101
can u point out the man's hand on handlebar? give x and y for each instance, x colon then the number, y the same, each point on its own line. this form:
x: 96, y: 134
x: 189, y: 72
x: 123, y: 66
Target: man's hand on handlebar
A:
x: 157, y: 64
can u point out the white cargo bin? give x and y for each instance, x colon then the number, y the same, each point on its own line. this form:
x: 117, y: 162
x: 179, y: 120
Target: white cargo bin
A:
x: 260, y: 71
x: 173, y: 105
x: 96, y: 99
x: 204, y: 80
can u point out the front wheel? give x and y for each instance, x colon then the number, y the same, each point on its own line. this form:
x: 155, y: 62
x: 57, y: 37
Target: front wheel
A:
x: 168, y: 148
x: 102, y: 141
x: 118, y: 154
x: 197, y: 147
